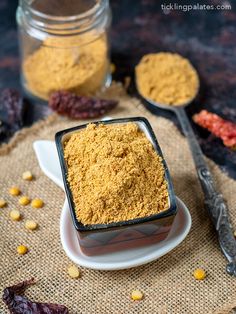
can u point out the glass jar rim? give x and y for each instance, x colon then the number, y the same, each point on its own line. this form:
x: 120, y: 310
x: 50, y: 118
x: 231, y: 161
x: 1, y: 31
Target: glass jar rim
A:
x: 49, y: 22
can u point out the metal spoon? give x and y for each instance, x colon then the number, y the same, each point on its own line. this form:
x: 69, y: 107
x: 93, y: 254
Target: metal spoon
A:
x: 214, y: 201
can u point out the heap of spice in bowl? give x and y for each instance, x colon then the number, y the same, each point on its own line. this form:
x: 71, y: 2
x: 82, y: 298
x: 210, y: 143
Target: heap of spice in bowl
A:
x: 121, y: 168
x: 117, y: 183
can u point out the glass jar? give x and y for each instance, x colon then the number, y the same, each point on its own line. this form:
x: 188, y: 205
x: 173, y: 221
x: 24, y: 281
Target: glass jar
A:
x: 64, y: 46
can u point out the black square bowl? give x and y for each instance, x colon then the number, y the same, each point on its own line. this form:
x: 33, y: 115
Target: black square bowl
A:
x: 104, y: 238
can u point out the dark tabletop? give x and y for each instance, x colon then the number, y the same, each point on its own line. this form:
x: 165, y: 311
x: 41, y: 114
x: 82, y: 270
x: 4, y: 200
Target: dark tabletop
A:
x: 206, y: 37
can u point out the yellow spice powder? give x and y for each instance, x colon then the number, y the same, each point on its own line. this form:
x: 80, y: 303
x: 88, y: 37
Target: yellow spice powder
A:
x: 167, y: 78
x: 78, y: 64
x: 114, y: 174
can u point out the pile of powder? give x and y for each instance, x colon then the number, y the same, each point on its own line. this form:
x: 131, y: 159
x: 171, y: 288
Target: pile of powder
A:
x: 167, y: 78
x: 114, y: 174
x: 78, y: 64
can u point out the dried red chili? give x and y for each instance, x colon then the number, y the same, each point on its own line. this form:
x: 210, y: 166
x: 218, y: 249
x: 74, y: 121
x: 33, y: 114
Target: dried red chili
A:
x: 12, y: 107
x: 226, y: 130
x: 18, y: 304
x: 79, y: 107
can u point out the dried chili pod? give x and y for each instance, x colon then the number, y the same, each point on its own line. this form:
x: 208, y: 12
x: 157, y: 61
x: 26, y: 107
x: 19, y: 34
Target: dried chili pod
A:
x: 12, y: 107
x: 224, y: 129
x: 4, y: 131
x: 80, y: 107
x: 18, y: 304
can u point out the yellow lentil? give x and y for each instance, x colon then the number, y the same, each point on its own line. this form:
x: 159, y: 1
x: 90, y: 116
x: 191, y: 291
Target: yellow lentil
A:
x: 31, y: 225
x: 37, y: 203
x: 73, y: 272
x: 14, y: 191
x: 15, y: 215
x: 199, y: 274
x: 27, y: 175
x: 22, y: 249
x: 136, y: 295
x: 24, y: 200
x: 3, y: 203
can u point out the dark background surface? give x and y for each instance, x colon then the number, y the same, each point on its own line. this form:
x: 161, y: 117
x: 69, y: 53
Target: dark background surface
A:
x: 206, y: 37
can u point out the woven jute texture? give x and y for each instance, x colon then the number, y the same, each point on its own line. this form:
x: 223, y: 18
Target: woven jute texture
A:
x: 167, y: 283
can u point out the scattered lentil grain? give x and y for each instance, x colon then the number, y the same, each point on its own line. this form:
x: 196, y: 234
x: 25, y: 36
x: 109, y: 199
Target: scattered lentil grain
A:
x: 199, y: 274
x: 24, y: 200
x: 15, y: 215
x: 37, y: 203
x: 3, y: 203
x: 136, y: 295
x: 22, y: 249
x: 27, y: 175
x: 14, y: 191
x: 31, y: 225
x: 73, y: 272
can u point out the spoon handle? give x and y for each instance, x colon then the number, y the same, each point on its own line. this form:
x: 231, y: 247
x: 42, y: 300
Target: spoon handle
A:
x: 214, y: 201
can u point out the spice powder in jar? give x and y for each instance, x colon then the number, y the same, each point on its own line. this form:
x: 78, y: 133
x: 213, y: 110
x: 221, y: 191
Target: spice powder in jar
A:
x: 61, y: 50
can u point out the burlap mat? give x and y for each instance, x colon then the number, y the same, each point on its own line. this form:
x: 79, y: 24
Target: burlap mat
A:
x: 167, y: 283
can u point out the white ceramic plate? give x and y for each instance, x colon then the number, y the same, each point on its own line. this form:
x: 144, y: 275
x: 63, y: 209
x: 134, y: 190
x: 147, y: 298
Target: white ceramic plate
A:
x: 112, y: 261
